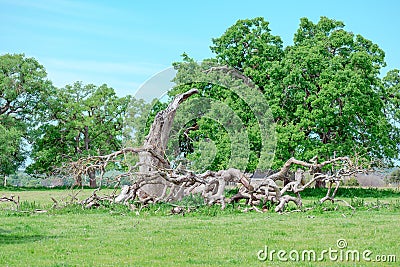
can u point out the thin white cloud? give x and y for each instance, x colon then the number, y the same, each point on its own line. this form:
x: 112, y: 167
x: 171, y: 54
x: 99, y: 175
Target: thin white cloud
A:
x: 60, y: 16
x: 90, y: 19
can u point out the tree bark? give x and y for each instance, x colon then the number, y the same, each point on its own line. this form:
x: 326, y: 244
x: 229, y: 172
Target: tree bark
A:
x: 92, y: 178
x: 78, y: 181
x: 320, y: 184
x: 87, y: 140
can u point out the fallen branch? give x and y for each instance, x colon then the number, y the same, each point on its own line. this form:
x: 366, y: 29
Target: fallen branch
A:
x: 153, y: 180
x: 11, y: 199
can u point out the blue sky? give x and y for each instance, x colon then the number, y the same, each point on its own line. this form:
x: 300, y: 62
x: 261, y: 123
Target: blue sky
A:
x: 123, y: 43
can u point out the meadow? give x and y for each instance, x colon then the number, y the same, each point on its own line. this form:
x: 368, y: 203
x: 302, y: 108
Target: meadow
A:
x: 38, y: 235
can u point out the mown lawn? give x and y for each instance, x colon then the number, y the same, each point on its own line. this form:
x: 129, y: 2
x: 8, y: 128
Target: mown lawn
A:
x: 207, y: 237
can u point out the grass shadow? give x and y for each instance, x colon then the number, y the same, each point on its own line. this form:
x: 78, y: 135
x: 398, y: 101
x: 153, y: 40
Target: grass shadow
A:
x: 8, y: 237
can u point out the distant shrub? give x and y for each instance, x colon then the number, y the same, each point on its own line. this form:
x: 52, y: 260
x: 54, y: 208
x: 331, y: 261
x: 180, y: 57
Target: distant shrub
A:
x: 352, y: 182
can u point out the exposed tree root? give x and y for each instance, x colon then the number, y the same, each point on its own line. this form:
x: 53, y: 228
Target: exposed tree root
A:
x: 177, y: 184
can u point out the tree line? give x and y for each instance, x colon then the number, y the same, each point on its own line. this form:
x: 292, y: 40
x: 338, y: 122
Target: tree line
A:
x: 325, y: 91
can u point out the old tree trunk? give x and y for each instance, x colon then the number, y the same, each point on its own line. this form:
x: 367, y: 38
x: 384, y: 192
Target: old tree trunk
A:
x: 157, y: 141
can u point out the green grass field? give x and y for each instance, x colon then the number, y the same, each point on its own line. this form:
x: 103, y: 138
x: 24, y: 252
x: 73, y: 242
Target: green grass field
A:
x: 115, y: 236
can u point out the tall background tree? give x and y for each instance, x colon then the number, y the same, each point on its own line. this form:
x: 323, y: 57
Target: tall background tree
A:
x: 23, y: 95
x: 391, y: 98
x: 81, y: 120
x: 325, y: 91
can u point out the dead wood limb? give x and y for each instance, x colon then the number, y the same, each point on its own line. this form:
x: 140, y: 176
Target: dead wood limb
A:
x: 312, y: 166
x: 177, y: 183
x: 11, y: 199
x: 235, y: 73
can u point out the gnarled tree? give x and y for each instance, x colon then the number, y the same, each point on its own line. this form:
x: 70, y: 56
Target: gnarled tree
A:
x: 154, y: 181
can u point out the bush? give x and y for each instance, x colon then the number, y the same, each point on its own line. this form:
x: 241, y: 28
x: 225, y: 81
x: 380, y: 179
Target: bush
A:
x: 352, y: 182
